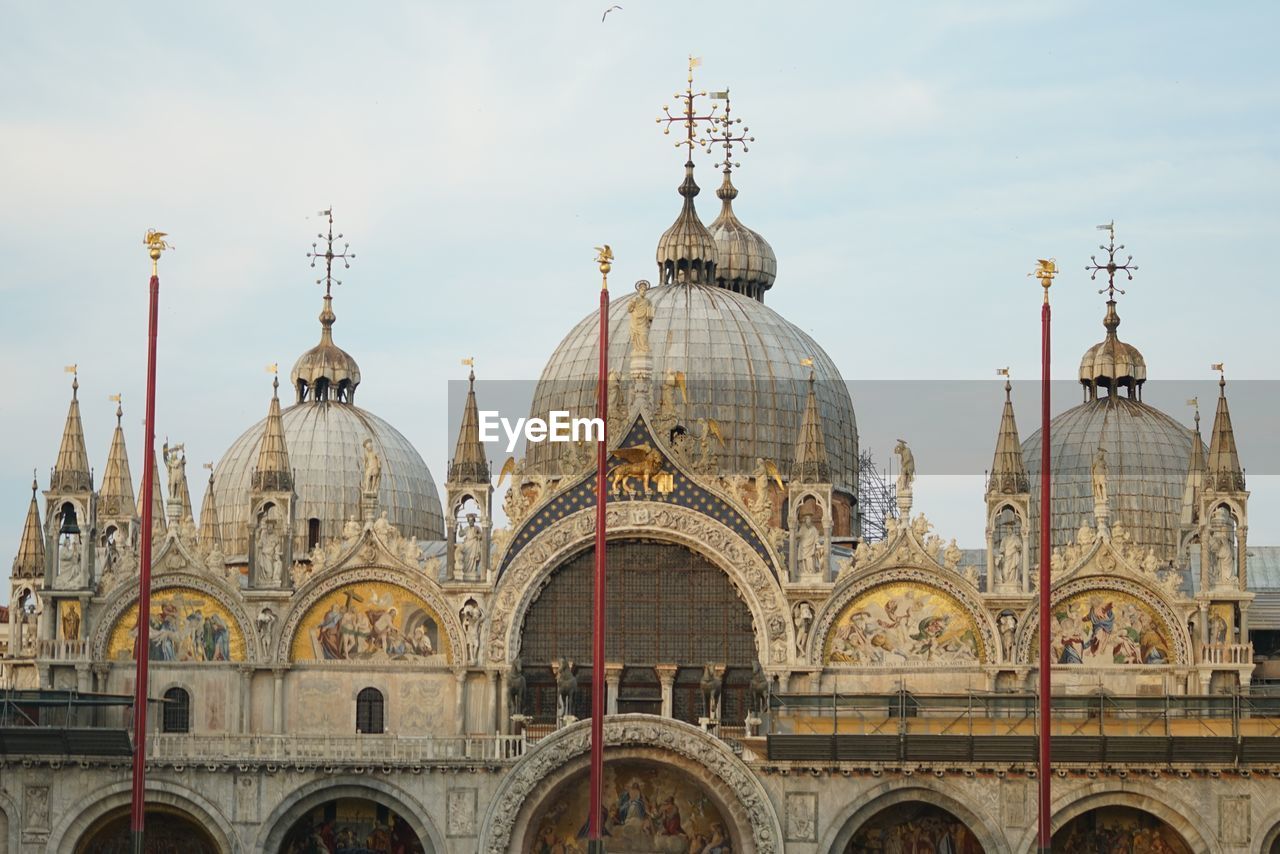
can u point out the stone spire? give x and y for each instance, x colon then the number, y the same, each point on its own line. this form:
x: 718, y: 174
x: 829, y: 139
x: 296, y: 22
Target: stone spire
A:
x: 30, y: 560
x: 811, y: 464
x: 469, y: 464
x: 71, y: 471
x: 1195, y: 476
x: 209, y: 537
x: 116, y: 497
x: 158, y: 523
x: 1008, y: 472
x: 273, y: 473
x: 1224, y: 472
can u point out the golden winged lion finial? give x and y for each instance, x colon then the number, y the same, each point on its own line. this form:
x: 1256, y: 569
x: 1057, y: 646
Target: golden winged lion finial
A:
x: 155, y: 242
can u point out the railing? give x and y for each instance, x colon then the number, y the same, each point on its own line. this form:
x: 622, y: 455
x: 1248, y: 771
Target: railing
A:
x: 1227, y: 653
x: 336, y: 750
x: 62, y: 650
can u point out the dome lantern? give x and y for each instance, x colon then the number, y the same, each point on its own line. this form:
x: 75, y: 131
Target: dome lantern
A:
x: 326, y: 371
x: 1111, y: 363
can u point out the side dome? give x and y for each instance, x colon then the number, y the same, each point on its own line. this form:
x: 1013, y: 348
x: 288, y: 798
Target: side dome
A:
x: 326, y: 368
x: 1111, y: 363
x: 742, y: 363
x: 325, y: 442
x: 746, y: 263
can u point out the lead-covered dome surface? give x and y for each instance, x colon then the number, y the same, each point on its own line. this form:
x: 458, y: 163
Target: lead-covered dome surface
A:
x: 1147, y: 455
x: 743, y: 367
x: 325, y: 443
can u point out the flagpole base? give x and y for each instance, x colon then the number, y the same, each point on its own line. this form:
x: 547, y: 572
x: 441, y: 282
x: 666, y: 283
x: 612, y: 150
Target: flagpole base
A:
x: 595, y: 846
x: 137, y: 844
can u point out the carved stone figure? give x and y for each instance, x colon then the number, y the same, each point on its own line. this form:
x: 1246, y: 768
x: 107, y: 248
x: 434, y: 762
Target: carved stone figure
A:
x: 372, y: 469
x: 1222, y: 559
x: 952, y: 555
x: 471, y: 616
x: 382, y: 526
x: 1150, y: 563
x: 906, y: 466
x: 270, y: 555
x: 641, y: 313
x: 472, y: 548
x: 1085, y: 536
x: 516, y: 688
x: 350, y: 529
x: 1098, y: 473
x: 175, y: 460
x: 802, y: 615
x: 808, y: 546
x: 1008, y: 624
x: 216, y: 562
x: 69, y: 575
x: 711, y: 685
x: 1010, y: 564
x: 920, y: 526
x: 1056, y: 563
x: 266, y: 619
x: 412, y: 551
x: 759, y: 689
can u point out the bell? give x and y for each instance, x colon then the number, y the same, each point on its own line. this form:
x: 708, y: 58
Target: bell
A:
x: 69, y: 525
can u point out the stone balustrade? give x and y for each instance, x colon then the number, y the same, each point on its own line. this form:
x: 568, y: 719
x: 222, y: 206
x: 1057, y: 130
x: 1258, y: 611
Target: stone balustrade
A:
x: 58, y: 649
x: 1227, y: 653
x: 333, y: 750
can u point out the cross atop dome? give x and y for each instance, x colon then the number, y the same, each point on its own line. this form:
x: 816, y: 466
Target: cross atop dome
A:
x: 329, y: 255
x: 327, y: 369
x: 1111, y: 267
x: 689, y: 118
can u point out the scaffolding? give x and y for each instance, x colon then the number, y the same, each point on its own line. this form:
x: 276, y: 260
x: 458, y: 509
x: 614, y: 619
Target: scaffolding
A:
x: 877, y: 499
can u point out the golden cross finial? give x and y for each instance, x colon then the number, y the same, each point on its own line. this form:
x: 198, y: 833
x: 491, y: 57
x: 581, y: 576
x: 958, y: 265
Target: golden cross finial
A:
x: 689, y: 117
x: 1045, y: 271
x: 725, y: 136
x: 329, y: 255
x: 1111, y: 267
x: 155, y: 243
x: 604, y: 258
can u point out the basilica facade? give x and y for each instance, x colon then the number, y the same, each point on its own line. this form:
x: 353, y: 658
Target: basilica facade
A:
x: 352, y: 659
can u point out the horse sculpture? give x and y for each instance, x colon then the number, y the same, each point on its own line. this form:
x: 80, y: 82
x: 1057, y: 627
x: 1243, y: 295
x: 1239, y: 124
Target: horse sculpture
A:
x: 515, y: 688
x: 711, y: 688
x: 566, y: 687
x: 759, y: 690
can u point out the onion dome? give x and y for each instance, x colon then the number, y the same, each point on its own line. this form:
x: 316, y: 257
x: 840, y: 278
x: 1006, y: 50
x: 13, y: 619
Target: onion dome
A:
x: 686, y: 250
x: 71, y: 471
x: 745, y: 260
x: 115, y: 499
x: 1111, y: 363
x: 326, y: 369
x: 30, y: 560
x: 744, y: 366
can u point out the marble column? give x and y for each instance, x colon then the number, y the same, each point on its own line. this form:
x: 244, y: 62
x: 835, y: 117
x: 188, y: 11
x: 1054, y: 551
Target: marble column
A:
x: 277, y: 701
x: 1244, y: 622
x: 504, y: 703
x: 667, y: 676
x: 245, y: 722
x: 83, y: 675
x: 613, y: 681
x: 460, y: 701
x: 495, y: 702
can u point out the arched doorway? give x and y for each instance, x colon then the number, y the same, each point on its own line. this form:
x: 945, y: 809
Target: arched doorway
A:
x: 915, y: 826
x: 351, y: 824
x: 1119, y: 828
x: 667, y: 605
x: 167, y: 829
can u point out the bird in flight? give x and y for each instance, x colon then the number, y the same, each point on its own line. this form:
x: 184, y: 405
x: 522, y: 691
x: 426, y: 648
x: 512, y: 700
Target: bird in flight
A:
x: 607, y: 11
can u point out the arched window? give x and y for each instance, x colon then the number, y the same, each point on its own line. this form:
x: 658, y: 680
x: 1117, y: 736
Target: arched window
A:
x: 369, y: 711
x: 177, y: 711
x: 313, y: 533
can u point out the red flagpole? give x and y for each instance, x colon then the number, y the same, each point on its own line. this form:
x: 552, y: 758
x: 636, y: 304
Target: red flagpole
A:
x: 1044, y: 768
x: 595, y: 841
x: 137, y: 815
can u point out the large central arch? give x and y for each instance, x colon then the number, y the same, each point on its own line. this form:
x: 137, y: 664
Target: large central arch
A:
x: 568, y: 536
x: 894, y: 793
x: 275, y: 828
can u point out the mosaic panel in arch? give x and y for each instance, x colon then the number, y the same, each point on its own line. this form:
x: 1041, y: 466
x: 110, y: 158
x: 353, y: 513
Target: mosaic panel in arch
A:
x: 370, y: 621
x: 648, y: 809
x: 1108, y: 627
x: 915, y: 828
x: 904, y: 622
x: 186, y: 625
x: 351, y: 826
x: 1108, y: 829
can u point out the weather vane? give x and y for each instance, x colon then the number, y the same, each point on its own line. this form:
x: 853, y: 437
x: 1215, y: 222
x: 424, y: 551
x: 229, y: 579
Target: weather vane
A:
x: 1111, y: 267
x: 329, y: 255
x: 725, y: 136
x: 689, y: 117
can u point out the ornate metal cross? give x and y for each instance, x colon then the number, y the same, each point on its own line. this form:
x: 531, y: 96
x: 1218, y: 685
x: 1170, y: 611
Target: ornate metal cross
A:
x: 329, y: 255
x: 1111, y: 267
x: 689, y: 118
x: 725, y: 136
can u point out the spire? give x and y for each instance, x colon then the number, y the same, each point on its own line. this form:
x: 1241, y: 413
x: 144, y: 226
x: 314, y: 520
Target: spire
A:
x: 273, y: 473
x: 1195, y: 473
x: 71, y: 471
x: 116, y: 496
x: 811, y: 464
x: 469, y: 463
x: 1224, y: 472
x: 686, y: 250
x: 30, y: 560
x: 745, y: 262
x: 209, y: 537
x: 1111, y: 363
x: 326, y: 371
x: 1008, y: 472
x: 158, y: 523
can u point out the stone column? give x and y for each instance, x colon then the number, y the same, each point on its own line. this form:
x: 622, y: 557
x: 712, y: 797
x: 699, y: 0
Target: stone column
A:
x: 1244, y: 622
x: 504, y: 703
x: 613, y: 681
x: 1204, y: 626
x: 460, y: 702
x: 245, y: 722
x: 495, y: 701
x: 277, y: 701
x: 83, y: 675
x: 667, y: 676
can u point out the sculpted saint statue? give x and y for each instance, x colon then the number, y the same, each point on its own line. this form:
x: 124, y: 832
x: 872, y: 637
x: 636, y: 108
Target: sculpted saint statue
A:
x: 270, y: 555
x: 472, y: 548
x: 1010, y: 557
x: 641, y: 312
x: 808, y: 546
x: 907, y: 466
x: 372, y: 468
x: 1099, y: 474
x: 175, y: 461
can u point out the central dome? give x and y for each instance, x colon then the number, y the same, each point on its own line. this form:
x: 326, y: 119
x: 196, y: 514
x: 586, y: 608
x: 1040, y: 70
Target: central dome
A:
x: 743, y: 367
x: 325, y: 443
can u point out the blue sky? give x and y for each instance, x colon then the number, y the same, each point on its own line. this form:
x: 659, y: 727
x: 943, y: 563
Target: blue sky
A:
x: 912, y: 160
